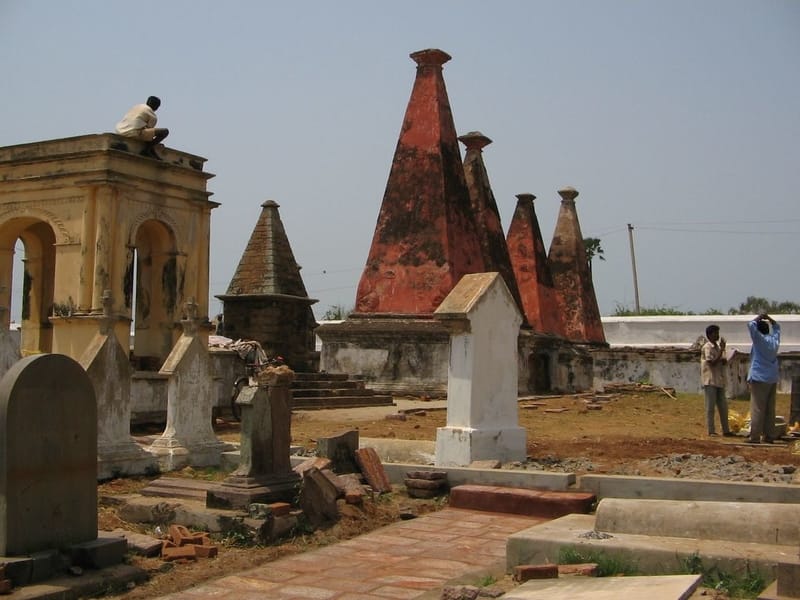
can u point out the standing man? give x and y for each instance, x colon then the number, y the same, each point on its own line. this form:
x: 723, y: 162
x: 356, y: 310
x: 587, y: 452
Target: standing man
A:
x: 763, y: 377
x: 712, y: 376
x: 140, y: 123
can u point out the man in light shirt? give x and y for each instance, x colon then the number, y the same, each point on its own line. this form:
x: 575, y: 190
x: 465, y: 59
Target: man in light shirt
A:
x: 140, y: 123
x: 712, y: 375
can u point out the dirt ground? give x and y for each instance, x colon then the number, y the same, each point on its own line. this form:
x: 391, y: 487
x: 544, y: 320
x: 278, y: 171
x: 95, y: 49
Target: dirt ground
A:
x: 626, y: 428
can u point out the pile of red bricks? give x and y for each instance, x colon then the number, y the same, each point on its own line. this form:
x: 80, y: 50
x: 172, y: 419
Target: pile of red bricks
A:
x: 182, y: 544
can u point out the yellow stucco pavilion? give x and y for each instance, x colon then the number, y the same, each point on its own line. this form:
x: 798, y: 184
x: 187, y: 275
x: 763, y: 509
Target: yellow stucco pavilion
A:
x: 105, y: 231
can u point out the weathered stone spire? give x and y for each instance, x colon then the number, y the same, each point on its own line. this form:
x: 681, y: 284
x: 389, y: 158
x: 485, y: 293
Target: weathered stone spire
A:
x: 267, y: 265
x: 529, y: 259
x: 570, y: 267
x: 425, y: 239
x: 487, y: 216
x: 267, y: 300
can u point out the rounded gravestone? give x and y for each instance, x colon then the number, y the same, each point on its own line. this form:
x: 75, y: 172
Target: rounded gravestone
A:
x: 48, y: 455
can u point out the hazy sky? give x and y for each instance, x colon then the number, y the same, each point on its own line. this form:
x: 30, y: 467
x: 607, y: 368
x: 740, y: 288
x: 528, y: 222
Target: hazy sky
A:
x: 681, y: 118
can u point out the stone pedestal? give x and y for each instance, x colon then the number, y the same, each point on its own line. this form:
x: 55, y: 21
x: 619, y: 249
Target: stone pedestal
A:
x: 106, y: 362
x: 188, y: 439
x: 482, y: 422
x: 265, y: 472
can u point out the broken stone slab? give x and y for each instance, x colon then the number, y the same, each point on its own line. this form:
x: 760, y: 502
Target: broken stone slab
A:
x: 318, y: 498
x: 370, y: 465
x: 340, y: 449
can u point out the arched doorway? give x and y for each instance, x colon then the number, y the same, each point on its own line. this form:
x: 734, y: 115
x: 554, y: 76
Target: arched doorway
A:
x: 35, y: 297
x: 152, y: 292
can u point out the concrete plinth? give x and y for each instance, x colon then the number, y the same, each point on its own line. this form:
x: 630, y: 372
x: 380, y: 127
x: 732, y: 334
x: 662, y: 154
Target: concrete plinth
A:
x: 172, y: 454
x: 125, y: 458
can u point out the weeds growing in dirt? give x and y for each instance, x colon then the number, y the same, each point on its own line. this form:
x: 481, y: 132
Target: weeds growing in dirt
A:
x: 737, y: 585
x: 607, y: 565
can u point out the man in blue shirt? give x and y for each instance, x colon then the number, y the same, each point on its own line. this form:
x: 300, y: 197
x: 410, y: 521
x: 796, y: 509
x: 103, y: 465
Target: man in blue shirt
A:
x: 763, y: 377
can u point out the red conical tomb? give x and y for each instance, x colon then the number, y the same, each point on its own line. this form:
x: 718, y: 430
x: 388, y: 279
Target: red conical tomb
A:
x: 540, y: 298
x: 425, y: 239
x: 573, y: 280
x: 487, y: 216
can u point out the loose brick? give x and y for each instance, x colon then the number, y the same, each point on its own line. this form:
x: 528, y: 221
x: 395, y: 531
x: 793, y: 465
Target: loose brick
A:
x: 585, y: 569
x: 178, y: 552
x: 525, y: 572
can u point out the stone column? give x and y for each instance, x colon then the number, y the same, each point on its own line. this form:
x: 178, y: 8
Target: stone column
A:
x: 265, y: 472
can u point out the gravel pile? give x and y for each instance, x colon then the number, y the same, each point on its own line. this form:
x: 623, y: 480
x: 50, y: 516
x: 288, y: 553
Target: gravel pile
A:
x: 688, y: 466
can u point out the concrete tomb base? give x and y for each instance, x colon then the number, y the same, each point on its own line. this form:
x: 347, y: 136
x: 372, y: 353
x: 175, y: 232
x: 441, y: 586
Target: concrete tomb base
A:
x: 460, y: 446
x: 655, y: 540
x: 663, y: 587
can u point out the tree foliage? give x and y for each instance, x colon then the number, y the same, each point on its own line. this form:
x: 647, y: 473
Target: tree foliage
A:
x: 753, y: 305
x: 336, y: 312
x: 593, y: 248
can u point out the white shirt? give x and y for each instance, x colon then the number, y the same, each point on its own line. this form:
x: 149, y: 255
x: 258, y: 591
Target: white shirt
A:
x: 139, y: 117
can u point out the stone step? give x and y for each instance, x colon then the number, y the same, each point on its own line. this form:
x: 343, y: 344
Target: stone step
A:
x: 521, y: 501
x: 313, y: 376
x: 178, y: 487
x: 341, y: 402
x: 323, y: 384
x: 332, y: 391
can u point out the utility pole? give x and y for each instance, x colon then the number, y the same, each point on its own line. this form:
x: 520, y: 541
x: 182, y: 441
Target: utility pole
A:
x: 633, y: 264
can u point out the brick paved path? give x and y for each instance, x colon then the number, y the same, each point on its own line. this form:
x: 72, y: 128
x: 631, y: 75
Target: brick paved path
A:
x: 401, y: 561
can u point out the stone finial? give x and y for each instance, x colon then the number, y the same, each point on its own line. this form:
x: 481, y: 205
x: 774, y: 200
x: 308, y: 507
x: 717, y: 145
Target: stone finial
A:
x: 270, y: 204
x: 526, y: 197
x: 474, y: 140
x: 568, y: 193
x: 108, y: 303
x: 191, y: 323
x: 430, y: 57
x: 191, y: 309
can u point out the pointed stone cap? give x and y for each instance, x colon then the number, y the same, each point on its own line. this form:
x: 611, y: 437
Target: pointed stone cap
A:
x: 267, y: 266
x: 426, y: 237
